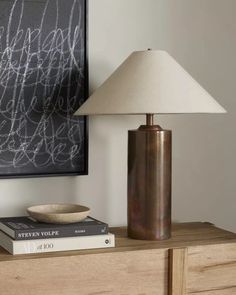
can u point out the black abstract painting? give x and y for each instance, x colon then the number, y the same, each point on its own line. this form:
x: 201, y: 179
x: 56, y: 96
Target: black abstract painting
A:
x: 43, y: 81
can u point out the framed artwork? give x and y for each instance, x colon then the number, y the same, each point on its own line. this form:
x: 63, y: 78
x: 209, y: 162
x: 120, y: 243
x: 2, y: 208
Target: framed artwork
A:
x: 43, y: 81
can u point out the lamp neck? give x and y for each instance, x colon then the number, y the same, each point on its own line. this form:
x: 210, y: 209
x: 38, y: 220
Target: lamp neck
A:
x: 150, y: 124
x: 149, y: 119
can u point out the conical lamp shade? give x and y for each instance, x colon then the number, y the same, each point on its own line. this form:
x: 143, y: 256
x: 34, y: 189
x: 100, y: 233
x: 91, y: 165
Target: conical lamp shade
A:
x: 150, y: 82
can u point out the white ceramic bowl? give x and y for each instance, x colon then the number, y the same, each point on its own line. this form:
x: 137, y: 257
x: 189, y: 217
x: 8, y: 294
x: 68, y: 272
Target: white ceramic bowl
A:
x: 59, y: 213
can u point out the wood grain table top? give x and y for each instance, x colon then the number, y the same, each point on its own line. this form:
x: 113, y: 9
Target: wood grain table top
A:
x: 183, y: 235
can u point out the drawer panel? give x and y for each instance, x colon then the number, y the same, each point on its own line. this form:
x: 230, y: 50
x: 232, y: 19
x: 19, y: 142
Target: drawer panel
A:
x: 212, y: 270
x: 142, y: 272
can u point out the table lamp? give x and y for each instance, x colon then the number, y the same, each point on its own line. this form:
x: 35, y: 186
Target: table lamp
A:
x: 149, y: 82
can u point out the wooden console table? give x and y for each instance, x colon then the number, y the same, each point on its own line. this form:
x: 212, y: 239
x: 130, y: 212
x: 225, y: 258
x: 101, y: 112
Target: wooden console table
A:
x: 199, y: 259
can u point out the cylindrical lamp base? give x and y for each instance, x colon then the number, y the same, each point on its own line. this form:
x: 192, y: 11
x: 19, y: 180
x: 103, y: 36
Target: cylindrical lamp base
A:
x: 149, y: 183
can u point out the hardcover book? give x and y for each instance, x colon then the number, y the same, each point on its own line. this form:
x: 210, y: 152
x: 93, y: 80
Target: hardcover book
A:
x: 26, y: 228
x: 52, y: 245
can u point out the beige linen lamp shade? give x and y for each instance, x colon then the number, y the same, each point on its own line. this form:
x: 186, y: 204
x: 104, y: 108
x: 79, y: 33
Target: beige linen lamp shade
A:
x: 150, y: 82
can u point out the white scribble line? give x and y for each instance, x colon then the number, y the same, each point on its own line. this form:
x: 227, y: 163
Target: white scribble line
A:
x: 14, y: 44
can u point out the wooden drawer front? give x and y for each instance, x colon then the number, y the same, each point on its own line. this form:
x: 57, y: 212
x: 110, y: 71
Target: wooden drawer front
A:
x: 212, y: 270
x: 123, y: 273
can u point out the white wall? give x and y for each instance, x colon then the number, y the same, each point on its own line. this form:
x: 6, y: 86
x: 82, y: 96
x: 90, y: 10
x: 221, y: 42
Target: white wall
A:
x: 200, y: 34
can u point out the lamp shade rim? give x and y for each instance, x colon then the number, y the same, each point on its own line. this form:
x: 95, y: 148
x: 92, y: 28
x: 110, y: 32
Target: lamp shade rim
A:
x: 78, y: 113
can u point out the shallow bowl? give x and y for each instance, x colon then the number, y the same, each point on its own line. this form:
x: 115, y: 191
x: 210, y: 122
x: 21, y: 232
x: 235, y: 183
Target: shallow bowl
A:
x: 59, y: 213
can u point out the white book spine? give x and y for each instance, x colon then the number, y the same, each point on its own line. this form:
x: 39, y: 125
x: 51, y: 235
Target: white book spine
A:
x: 54, y: 245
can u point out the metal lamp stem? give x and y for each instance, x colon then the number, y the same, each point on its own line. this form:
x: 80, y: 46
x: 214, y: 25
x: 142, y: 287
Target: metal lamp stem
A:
x: 149, y: 119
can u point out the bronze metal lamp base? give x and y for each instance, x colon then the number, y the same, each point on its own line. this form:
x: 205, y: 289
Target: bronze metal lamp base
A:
x: 149, y: 182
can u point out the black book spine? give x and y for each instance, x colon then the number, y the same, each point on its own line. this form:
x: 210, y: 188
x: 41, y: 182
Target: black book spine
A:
x: 61, y: 232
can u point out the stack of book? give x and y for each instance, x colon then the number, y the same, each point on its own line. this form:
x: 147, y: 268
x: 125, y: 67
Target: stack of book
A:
x: 24, y: 235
